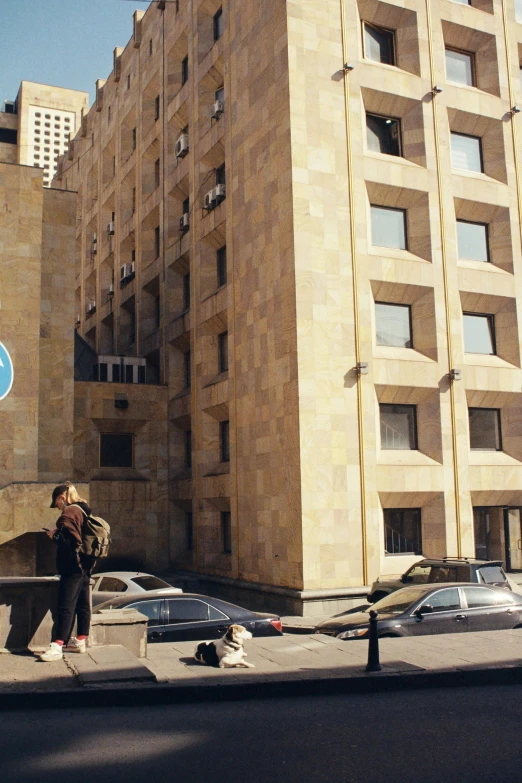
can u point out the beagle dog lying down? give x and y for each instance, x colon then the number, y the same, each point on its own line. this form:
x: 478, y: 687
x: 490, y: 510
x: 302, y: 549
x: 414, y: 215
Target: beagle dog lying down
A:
x: 226, y: 652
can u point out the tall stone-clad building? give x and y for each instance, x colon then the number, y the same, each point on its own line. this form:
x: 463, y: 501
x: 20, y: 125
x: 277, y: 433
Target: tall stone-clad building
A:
x: 303, y: 219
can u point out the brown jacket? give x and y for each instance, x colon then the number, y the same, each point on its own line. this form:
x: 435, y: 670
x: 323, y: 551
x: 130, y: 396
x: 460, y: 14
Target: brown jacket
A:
x: 71, y: 521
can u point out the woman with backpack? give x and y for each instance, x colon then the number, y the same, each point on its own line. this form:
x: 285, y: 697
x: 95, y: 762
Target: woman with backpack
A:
x: 75, y: 570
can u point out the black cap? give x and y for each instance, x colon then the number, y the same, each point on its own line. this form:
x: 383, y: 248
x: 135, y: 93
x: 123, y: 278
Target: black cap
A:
x: 57, y: 491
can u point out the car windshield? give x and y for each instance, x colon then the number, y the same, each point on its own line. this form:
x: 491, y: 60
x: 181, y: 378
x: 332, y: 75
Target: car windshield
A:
x: 150, y: 582
x: 397, y: 602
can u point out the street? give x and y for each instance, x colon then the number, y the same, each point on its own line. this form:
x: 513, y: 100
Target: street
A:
x: 467, y: 735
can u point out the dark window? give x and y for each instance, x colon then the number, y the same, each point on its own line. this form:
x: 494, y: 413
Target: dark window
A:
x: 133, y: 200
x: 8, y: 136
x: 479, y: 333
x: 447, y: 600
x: 150, y: 582
x: 466, y: 152
x: 157, y: 311
x: 379, y: 44
x: 388, y: 227
x: 491, y: 574
x: 157, y: 241
x: 484, y: 429
x: 110, y: 584
x: 383, y: 134
x: 150, y: 47
x: 186, y: 291
x: 188, y: 448
x: 129, y: 371
x: 157, y: 173
x: 482, y: 533
x: 460, y: 67
x: 472, y: 241
x: 151, y: 609
x: 223, y: 352
x: 185, y: 207
x: 221, y: 259
x: 116, y: 450
x: 479, y: 596
x: 134, y: 138
x: 402, y: 531
x: 220, y: 175
x: 184, y: 70
x: 189, y: 527
x: 186, y: 369
x: 224, y: 440
x: 226, y: 531
x: 187, y: 610
x: 116, y: 373
x: 393, y: 324
x: 108, y: 114
x: 102, y: 371
x: 157, y: 107
x: 219, y: 94
x: 219, y: 24
x: 398, y: 426
x: 128, y: 81
x: 518, y: 11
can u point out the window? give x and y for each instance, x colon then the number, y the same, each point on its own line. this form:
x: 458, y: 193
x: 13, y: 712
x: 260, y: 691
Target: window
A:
x: 226, y: 531
x: 134, y: 138
x: 479, y: 333
x: 379, y: 44
x: 460, y: 67
x: 393, y: 325
x: 108, y: 113
x: 110, y: 584
x: 187, y: 369
x: 151, y: 609
x: 157, y: 241
x: 184, y: 70
x: 219, y: 95
x: 157, y: 173
x: 128, y: 81
x: 466, y: 152
x: 398, y: 427
x: 188, y: 449
x: 447, y: 600
x: 116, y: 450
x: 157, y: 311
x: 219, y: 25
x: 221, y: 261
x: 156, y: 108
x: 150, y: 47
x: 187, y: 610
x: 37, y: 114
x: 47, y: 116
x: 388, y: 227
x: 150, y: 583
x: 133, y: 200
x: 383, y: 134
x: 418, y: 575
x: 518, y: 11
x: 223, y: 352
x: 472, y: 241
x: 186, y: 291
x: 484, y: 429
x: 185, y: 207
x: 478, y: 596
x: 189, y: 527
x: 402, y: 531
x: 220, y: 175
x: 491, y: 575
x: 224, y: 441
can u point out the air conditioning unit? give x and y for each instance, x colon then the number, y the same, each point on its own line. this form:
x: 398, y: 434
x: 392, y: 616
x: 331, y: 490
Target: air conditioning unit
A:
x: 78, y: 319
x: 217, y: 110
x: 110, y: 229
x: 126, y: 271
x: 184, y: 222
x: 91, y: 308
x: 182, y: 146
x: 209, y: 200
x: 110, y: 290
x: 219, y: 193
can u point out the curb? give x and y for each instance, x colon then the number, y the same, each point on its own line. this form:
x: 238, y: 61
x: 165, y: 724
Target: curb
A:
x: 185, y: 694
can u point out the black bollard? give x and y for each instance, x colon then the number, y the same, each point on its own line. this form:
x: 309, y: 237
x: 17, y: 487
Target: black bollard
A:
x: 373, y: 644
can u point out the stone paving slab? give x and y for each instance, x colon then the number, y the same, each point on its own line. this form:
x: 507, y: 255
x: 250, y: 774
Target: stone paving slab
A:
x: 111, y: 663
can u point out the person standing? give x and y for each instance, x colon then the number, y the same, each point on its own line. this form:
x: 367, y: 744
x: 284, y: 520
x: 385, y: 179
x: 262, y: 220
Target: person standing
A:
x: 75, y: 569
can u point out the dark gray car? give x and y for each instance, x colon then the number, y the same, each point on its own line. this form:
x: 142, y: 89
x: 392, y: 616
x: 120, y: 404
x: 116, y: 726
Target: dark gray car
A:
x: 432, y: 609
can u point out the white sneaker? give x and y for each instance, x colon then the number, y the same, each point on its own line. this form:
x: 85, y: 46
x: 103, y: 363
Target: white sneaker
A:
x: 75, y: 646
x: 54, y: 653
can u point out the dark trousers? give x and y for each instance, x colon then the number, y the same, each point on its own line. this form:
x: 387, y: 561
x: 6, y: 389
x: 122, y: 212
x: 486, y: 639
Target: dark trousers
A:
x: 73, y: 599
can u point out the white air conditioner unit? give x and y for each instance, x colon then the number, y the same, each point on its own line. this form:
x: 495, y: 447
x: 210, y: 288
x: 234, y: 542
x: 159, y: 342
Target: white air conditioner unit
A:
x: 126, y: 271
x: 110, y: 228
x: 110, y: 290
x: 209, y: 200
x: 182, y: 146
x: 217, y: 110
x: 219, y: 193
x: 184, y: 222
x: 91, y: 308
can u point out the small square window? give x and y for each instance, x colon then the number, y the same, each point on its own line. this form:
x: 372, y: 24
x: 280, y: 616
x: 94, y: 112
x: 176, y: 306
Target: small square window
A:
x: 383, y: 134
x: 479, y: 333
x: 67, y: 119
x: 47, y: 116
x: 466, y: 152
x: 116, y: 450
x: 221, y: 258
x: 388, y: 227
x: 393, y: 325
x: 37, y: 114
x: 398, y: 427
x: 484, y: 429
x: 402, y: 531
x: 224, y: 441
x: 37, y: 157
x: 47, y: 124
x: 472, y: 240
x: 37, y: 147
x: 184, y: 70
x: 46, y: 157
x: 47, y: 133
x: 223, y: 352
x: 37, y: 122
x: 219, y: 24
x: 46, y: 149
x: 226, y: 531
x: 460, y: 67
x: 379, y: 44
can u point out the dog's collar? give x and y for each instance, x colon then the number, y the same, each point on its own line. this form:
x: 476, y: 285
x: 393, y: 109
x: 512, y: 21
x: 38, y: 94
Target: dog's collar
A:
x: 236, y: 645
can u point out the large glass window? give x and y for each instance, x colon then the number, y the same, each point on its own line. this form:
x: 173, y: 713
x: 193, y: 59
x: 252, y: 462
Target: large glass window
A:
x: 472, y: 240
x: 398, y: 427
x: 383, y: 134
x: 393, y: 325
x: 402, y: 531
x: 379, y: 44
x: 447, y: 600
x: 484, y: 429
x: 466, y: 152
x: 460, y: 67
x: 388, y: 227
x: 479, y: 596
x: 116, y: 450
x: 479, y: 333
x: 186, y: 610
x: 151, y: 609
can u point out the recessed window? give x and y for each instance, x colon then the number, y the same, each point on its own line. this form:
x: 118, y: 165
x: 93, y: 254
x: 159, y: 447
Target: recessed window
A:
x: 184, y: 70
x: 402, y: 531
x: 189, y: 527
x: 226, y: 531
x: 67, y: 119
x: 460, y: 67
x: 479, y: 333
x: 37, y: 114
x: 224, y: 441
x: 472, y: 240
x: 219, y: 24
x: 518, y: 11
x: 157, y: 241
x: 116, y: 450
x: 134, y: 138
x: 393, y: 325
x: 36, y: 147
x: 187, y: 369
x: 188, y: 449
x: 150, y: 47
x: 379, y: 44
x: 398, y: 427
x: 156, y: 108
x: 157, y: 173
x: 388, y: 227
x: 186, y: 291
x: 466, y: 152
x: 221, y: 261
x: 108, y: 113
x: 38, y: 122
x: 47, y: 124
x: 383, y: 134
x: 223, y: 352
x: 484, y: 429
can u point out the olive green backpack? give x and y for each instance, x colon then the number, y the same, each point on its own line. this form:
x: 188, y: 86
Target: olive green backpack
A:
x: 96, y: 535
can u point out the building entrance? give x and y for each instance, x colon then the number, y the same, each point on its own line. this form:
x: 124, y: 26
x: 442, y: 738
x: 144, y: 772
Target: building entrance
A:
x: 498, y: 535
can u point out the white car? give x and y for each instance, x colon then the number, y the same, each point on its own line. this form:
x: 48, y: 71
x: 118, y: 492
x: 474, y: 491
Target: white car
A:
x: 114, y: 584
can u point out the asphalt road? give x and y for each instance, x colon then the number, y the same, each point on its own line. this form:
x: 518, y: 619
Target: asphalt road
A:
x: 470, y: 735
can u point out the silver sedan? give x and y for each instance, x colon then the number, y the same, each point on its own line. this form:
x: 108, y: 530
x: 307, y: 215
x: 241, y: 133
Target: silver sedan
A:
x: 114, y: 584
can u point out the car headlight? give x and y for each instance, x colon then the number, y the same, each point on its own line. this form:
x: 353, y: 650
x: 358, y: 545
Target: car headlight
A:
x: 354, y: 633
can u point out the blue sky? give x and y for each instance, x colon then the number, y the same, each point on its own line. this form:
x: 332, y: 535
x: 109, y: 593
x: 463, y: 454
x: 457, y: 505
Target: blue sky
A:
x: 68, y: 43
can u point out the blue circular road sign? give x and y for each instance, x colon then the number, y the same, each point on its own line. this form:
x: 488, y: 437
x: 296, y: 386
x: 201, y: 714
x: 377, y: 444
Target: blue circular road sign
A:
x: 6, y: 372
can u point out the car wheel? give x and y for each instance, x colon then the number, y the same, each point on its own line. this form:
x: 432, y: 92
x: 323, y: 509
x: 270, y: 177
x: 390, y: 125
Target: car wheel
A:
x: 376, y: 597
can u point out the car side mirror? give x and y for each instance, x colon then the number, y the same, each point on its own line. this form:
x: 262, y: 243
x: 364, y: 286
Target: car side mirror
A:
x: 424, y: 609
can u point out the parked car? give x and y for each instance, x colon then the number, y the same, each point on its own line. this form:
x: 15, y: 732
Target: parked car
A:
x: 114, y: 584
x: 448, y: 569
x: 190, y: 617
x: 429, y: 609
